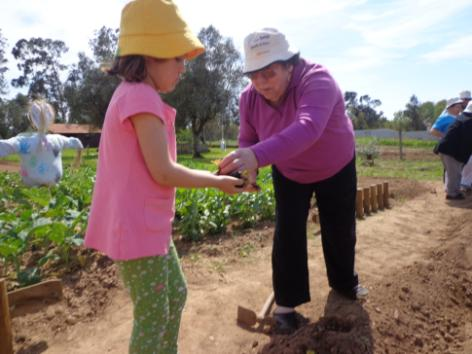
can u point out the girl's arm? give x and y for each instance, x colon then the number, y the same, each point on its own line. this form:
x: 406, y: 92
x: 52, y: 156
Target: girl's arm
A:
x: 151, y: 133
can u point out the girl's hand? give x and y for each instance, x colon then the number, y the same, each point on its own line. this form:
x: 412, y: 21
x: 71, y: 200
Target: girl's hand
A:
x: 230, y: 185
x: 238, y: 160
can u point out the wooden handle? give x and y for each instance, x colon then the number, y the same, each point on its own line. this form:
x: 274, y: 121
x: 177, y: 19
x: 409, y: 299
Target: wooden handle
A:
x: 6, y: 337
x: 267, y: 305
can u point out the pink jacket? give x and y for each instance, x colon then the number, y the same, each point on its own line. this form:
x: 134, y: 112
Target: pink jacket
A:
x: 131, y: 215
x: 308, y: 136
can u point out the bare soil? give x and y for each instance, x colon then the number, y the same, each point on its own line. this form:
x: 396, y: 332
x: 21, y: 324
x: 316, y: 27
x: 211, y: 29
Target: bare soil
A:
x: 415, y: 258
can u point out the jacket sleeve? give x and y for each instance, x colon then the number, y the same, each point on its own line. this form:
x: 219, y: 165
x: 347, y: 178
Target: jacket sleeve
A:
x: 317, y: 96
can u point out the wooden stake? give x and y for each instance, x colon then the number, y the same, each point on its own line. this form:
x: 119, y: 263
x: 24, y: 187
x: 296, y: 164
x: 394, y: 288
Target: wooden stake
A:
x: 359, y: 204
x: 366, y: 193
x: 380, y: 200
x: 6, y: 338
x: 373, y: 198
x: 385, y: 195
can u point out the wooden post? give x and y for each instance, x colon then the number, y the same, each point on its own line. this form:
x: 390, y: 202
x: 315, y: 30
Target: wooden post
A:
x: 385, y: 195
x: 6, y: 338
x: 380, y: 200
x: 373, y: 198
x: 359, y: 204
x: 366, y: 193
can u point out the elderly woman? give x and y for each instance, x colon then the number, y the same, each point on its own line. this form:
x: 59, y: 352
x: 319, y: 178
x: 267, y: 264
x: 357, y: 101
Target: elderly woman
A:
x: 293, y: 117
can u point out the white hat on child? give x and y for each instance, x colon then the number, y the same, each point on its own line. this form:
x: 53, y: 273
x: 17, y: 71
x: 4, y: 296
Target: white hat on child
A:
x: 41, y: 115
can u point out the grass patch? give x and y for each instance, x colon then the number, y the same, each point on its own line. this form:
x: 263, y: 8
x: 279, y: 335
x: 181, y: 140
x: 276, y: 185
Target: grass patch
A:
x: 409, y: 143
x: 420, y: 170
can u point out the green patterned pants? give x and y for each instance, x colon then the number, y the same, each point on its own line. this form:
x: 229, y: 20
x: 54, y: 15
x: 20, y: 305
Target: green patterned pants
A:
x: 158, y: 289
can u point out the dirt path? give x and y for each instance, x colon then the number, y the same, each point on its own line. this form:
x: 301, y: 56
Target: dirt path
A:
x: 404, y: 255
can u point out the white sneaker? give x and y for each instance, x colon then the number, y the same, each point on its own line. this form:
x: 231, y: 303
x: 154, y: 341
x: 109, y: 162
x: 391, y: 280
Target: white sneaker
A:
x: 361, y: 292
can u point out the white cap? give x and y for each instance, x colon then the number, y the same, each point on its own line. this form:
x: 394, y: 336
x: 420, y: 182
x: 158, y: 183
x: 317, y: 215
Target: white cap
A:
x: 465, y: 95
x: 453, y: 101
x: 41, y: 115
x: 264, y: 47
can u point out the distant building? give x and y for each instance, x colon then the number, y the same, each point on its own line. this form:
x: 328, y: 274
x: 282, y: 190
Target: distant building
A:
x: 88, y: 134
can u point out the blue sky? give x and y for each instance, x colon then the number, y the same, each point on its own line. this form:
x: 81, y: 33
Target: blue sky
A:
x: 386, y: 49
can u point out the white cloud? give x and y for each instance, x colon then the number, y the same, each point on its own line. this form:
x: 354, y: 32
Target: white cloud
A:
x: 405, y: 24
x: 460, y: 48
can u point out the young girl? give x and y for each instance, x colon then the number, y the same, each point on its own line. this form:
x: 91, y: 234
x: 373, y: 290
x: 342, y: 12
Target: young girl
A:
x: 133, y: 201
x: 40, y: 153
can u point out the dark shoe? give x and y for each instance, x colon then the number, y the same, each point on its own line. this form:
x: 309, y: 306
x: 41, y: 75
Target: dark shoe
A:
x: 286, y: 323
x: 459, y: 196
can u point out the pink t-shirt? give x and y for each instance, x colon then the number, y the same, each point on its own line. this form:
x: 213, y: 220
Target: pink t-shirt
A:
x: 131, y: 215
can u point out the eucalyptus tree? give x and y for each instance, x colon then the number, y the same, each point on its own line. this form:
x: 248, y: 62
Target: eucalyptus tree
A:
x: 363, y: 111
x: 413, y: 112
x: 210, y: 86
x: 3, y: 67
x: 40, y: 67
x: 88, y: 87
x: 13, y: 113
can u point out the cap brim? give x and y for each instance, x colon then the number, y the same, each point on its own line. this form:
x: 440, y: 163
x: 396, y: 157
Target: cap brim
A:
x: 255, y: 65
x: 183, y: 44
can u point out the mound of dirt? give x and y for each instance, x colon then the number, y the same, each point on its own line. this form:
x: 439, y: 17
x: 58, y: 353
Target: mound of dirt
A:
x: 423, y: 309
x: 86, y: 293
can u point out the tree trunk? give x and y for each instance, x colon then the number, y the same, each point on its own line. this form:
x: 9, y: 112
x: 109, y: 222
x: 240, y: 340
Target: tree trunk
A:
x: 400, y: 138
x: 196, y: 145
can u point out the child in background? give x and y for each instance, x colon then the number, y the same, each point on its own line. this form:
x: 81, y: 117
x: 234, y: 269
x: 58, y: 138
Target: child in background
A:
x: 134, y: 196
x: 40, y: 153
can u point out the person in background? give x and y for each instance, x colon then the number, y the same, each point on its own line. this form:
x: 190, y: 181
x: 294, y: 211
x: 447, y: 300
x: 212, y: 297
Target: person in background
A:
x: 466, y: 179
x: 40, y: 152
x: 293, y: 117
x: 134, y: 195
x: 465, y: 97
x: 455, y: 149
x: 453, y: 109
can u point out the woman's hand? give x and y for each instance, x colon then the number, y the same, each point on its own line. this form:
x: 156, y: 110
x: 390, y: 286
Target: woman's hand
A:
x: 238, y: 160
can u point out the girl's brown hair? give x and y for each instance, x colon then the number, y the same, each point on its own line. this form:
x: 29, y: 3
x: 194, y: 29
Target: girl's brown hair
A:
x: 131, y: 68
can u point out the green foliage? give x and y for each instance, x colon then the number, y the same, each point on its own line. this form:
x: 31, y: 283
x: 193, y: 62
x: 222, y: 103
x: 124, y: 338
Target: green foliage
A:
x: 363, y: 111
x: 13, y: 115
x: 411, y: 143
x: 50, y: 221
x: 209, y: 87
x: 3, y: 68
x: 201, y: 212
x: 184, y: 136
x: 421, y: 170
x: 368, y: 152
x: 88, y: 88
x: 40, y: 70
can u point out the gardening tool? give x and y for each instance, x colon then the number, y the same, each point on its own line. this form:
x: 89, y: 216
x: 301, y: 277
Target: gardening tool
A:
x: 250, y: 318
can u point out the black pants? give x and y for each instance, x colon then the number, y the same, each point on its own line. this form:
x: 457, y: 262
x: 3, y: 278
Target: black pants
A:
x: 336, y: 199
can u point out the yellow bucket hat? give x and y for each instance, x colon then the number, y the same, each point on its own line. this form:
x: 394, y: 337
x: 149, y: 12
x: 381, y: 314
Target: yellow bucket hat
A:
x: 155, y: 28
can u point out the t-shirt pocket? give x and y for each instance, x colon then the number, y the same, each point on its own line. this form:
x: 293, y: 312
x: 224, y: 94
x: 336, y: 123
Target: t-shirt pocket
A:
x: 159, y: 214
